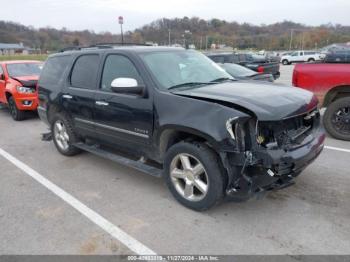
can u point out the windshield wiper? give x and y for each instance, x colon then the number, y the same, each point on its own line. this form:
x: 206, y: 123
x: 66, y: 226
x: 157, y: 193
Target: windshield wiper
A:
x: 222, y: 79
x: 189, y: 84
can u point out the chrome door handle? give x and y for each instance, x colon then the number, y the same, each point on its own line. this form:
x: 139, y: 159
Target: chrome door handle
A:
x: 67, y: 96
x: 101, y: 103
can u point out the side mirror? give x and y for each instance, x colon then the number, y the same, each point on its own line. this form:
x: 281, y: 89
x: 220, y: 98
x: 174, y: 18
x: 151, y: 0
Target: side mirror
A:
x: 126, y: 86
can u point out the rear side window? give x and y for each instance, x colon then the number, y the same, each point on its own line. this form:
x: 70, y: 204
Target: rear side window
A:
x: 53, y: 70
x: 84, y: 73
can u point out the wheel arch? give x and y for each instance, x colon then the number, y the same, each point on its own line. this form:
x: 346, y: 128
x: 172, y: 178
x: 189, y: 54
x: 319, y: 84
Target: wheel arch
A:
x: 336, y: 93
x: 8, y: 95
x: 52, y: 110
x: 171, y: 135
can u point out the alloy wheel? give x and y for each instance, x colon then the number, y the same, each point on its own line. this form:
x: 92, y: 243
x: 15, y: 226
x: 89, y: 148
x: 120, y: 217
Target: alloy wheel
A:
x: 61, y: 135
x: 189, y: 177
x: 341, y: 120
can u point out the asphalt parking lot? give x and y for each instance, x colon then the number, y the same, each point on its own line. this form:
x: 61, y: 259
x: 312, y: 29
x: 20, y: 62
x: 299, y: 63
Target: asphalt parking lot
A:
x: 89, y: 205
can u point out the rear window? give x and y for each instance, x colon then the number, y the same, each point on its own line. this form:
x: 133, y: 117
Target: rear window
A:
x: 84, y: 73
x: 53, y: 70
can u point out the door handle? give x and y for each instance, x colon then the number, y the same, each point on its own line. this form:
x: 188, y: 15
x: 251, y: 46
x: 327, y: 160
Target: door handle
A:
x: 101, y: 103
x: 67, y: 96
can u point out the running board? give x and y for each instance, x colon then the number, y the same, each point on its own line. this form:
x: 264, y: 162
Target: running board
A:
x: 138, y: 165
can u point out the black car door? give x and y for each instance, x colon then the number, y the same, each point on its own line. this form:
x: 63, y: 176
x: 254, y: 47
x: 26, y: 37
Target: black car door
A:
x: 79, y: 96
x: 122, y: 119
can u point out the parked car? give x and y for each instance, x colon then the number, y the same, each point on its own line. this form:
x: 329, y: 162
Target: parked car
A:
x: 257, y: 63
x: 342, y: 56
x: 18, y: 81
x: 243, y: 73
x: 331, y: 84
x: 183, y: 117
x: 302, y: 56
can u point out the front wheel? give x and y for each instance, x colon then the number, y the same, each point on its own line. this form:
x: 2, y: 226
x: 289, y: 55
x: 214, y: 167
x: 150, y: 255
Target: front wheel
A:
x: 285, y: 62
x: 193, y: 175
x: 16, y: 114
x: 63, y: 135
x: 337, y: 119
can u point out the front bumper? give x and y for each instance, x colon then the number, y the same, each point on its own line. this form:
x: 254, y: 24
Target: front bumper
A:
x: 27, y: 102
x: 274, y: 169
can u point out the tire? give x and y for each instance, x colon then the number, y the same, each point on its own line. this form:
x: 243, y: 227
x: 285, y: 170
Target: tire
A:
x: 311, y: 60
x: 285, y: 62
x: 65, y: 137
x: 17, y: 115
x: 211, y: 177
x: 337, y: 114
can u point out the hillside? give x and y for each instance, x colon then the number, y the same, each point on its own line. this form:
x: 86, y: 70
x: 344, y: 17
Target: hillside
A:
x: 198, y: 31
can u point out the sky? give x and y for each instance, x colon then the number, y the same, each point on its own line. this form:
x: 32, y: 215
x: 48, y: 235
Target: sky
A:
x: 102, y: 15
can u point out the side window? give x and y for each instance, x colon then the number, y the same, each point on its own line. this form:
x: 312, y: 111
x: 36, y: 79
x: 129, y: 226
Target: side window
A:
x: 1, y: 71
x: 242, y: 58
x: 84, y: 73
x: 218, y: 59
x: 53, y: 70
x: 118, y: 66
x: 235, y: 59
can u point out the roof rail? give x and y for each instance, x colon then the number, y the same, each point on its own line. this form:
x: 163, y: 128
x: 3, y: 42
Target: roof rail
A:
x: 99, y: 46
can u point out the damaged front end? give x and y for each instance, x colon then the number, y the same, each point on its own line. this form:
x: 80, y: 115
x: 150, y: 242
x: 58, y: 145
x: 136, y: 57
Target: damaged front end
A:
x: 270, y: 154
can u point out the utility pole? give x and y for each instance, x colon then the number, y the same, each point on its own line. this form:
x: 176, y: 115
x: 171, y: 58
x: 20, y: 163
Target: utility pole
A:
x: 121, y: 22
x: 169, y: 36
x: 291, y: 39
x: 206, y: 43
x: 302, y: 42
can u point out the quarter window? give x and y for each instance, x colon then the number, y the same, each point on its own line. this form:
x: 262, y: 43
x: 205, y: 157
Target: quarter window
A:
x: 84, y: 73
x: 118, y: 66
x: 53, y: 70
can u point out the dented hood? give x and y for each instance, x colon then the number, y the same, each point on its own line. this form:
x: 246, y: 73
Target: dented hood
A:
x: 268, y: 102
x: 28, y: 81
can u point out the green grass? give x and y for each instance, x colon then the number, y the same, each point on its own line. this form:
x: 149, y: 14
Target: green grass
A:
x: 22, y: 57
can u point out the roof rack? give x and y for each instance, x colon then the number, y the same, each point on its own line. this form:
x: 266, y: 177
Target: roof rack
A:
x: 99, y: 46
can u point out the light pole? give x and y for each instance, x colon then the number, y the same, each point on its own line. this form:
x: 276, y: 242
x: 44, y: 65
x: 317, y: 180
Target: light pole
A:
x: 121, y: 22
x: 169, y: 36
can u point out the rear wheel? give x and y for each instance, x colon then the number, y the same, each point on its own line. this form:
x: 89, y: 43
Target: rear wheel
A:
x: 193, y: 175
x: 311, y: 60
x: 63, y: 135
x: 16, y: 114
x: 285, y: 62
x: 337, y: 119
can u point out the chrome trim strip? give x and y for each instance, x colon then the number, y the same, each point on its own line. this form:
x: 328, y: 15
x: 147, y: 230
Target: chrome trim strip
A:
x: 111, y: 128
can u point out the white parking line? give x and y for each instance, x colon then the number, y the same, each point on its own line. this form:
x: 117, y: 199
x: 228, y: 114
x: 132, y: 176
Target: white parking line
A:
x: 337, y: 149
x: 133, y: 244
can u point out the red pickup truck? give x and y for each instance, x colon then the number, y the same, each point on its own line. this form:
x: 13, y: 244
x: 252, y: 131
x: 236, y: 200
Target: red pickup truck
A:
x: 331, y: 84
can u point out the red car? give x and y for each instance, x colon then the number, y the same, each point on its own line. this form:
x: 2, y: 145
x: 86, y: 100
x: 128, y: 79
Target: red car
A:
x: 18, y: 81
x: 331, y: 84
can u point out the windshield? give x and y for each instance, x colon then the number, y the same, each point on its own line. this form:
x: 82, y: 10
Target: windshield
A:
x: 177, y: 68
x: 237, y: 70
x: 24, y: 69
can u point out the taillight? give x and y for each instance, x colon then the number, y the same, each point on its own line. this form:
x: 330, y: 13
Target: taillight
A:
x: 295, y: 78
x: 261, y: 69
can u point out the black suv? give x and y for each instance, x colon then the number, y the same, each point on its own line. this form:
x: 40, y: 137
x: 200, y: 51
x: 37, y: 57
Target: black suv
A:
x: 174, y: 113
